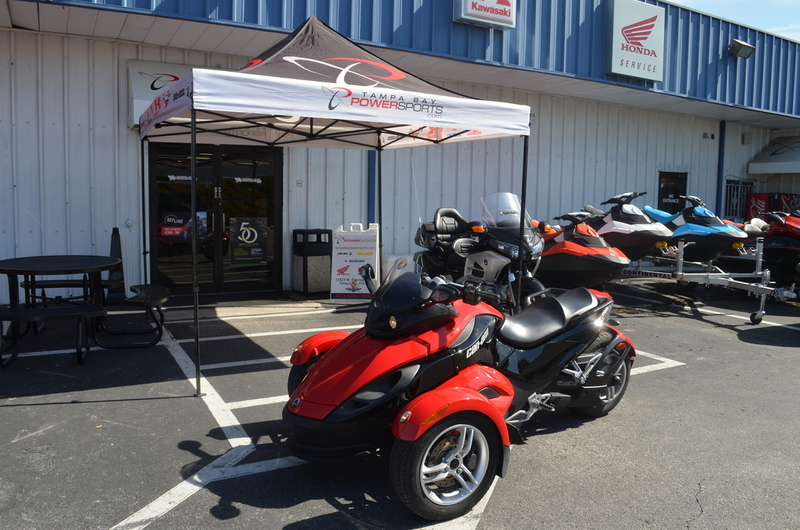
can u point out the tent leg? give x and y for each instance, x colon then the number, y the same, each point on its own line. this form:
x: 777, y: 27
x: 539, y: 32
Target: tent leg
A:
x: 523, y: 218
x: 380, y: 205
x: 195, y: 286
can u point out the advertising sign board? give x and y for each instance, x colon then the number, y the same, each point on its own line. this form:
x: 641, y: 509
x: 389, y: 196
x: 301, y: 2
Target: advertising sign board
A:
x: 501, y: 14
x: 248, y: 240
x: 352, y: 249
x: 636, y: 39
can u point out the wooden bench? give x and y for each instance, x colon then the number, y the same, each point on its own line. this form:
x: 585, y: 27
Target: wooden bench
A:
x: 80, y: 313
x: 151, y: 297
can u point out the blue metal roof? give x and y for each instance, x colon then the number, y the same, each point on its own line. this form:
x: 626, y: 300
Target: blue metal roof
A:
x: 566, y: 37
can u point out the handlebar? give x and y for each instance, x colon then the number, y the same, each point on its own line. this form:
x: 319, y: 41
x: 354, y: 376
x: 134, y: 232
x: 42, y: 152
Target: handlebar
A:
x: 451, y: 291
x: 696, y: 201
x: 573, y: 217
x: 624, y: 198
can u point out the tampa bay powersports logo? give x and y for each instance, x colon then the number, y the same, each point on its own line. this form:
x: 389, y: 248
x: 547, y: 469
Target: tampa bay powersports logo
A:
x: 358, y: 83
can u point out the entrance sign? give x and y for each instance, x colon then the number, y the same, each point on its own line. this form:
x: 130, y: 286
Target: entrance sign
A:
x: 500, y: 14
x: 248, y: 240
x: 636, y: 39
x: 351, y: 250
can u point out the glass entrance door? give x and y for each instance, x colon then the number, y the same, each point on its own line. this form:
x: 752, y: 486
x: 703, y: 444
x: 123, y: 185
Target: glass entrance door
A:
x: 238, y: 217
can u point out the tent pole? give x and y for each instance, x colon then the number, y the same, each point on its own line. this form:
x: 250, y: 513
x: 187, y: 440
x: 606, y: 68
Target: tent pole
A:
x: 380, y: 205
x: 522, y: 220
x: 145, y: 224
x: 195, y: 286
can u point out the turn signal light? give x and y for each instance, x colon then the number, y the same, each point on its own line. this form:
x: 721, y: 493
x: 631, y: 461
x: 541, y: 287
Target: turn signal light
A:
x: 478, y: 229
x: 433, y: 418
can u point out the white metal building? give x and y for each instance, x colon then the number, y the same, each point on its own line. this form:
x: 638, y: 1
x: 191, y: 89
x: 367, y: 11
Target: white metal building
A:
x: 72, y: 167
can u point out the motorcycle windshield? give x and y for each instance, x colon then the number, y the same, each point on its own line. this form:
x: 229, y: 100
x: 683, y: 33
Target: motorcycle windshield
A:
x: 502, y: 210
x: 501, y: 215
x: 402, y: 288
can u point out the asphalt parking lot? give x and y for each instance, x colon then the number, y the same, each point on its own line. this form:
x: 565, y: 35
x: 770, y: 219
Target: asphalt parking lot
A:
x: 706, y: 437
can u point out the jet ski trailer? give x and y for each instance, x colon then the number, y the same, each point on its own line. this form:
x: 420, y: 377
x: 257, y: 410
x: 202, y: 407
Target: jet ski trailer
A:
x: 671, y: 265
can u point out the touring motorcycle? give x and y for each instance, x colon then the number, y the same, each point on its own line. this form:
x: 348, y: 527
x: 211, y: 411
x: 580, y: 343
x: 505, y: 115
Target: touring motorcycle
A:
x: 444, y: 381
x: 486, y: 252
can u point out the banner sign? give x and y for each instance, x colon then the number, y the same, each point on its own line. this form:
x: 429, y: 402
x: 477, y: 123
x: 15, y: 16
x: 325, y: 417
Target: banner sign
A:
x: 500, y: 14
x: 352, y: 249
x: 148, y: 80
x: 176, y: 227
x: 248, y: 237
x: 636, y: 39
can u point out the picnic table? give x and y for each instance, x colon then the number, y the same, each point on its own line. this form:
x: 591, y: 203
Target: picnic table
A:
x: 35, y: 308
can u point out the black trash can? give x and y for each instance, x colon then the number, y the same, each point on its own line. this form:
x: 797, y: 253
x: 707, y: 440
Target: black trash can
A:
x: 311, y: 260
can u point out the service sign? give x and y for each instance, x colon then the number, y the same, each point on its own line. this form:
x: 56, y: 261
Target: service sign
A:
x: 636, y: 39
x: 499, y: 14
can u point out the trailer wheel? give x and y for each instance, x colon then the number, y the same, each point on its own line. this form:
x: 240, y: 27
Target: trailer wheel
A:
x: 755, y: 318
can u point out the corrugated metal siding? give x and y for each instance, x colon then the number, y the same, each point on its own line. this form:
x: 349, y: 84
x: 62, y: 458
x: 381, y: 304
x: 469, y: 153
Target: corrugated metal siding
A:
x: 581, y: 152
x: 70, y: 169
x: 561, y: 36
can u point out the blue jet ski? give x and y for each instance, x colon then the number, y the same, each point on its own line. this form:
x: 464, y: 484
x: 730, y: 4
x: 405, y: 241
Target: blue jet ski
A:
x: 705, y: 235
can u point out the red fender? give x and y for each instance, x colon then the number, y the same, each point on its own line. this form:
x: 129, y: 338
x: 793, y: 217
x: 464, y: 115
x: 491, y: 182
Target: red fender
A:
x: 316, y: 344
x: 461, y: 393
x: 623, y: 343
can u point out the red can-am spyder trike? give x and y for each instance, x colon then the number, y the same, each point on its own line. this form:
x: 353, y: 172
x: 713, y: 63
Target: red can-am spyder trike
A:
x: 444, y: 381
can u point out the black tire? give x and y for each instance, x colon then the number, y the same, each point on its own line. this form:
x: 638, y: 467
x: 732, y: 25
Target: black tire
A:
x: 299, y: 372
x: 454, y: 482
x: 613, y: 393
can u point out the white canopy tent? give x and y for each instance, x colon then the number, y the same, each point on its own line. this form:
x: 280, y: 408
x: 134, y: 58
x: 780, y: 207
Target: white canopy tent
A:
x: 317, y: 89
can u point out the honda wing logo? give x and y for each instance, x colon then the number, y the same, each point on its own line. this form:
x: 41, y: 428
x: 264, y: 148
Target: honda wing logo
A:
x: 637, y: 33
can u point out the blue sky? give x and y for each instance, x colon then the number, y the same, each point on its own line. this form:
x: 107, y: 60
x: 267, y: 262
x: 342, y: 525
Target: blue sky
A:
x: 779, y: 17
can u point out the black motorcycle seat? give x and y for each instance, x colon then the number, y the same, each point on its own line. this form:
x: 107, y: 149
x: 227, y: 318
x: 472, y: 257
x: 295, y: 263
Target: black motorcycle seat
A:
x: 449, y: 225
x: 545, y: 318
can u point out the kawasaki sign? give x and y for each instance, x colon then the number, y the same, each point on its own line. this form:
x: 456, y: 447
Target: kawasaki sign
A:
x: 636, y: 39
x: 501, y: 14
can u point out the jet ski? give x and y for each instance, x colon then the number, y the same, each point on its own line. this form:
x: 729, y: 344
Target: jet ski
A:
x: 576, y: 256
x: 626, y: 227
x: 782, y: 246
x: 706, y: 237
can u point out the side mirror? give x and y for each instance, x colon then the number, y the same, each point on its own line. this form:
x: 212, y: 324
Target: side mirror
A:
x: 368, y: 275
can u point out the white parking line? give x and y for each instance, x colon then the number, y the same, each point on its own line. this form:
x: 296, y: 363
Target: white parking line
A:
x: 257, y: 402
x: 664, y: 363
x: 270, y: 333
x: 251, y: 317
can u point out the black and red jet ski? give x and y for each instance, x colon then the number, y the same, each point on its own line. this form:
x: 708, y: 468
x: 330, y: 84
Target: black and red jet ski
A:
x: 627, y: 228
x: 782, y: 246
x: 576, y: 255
